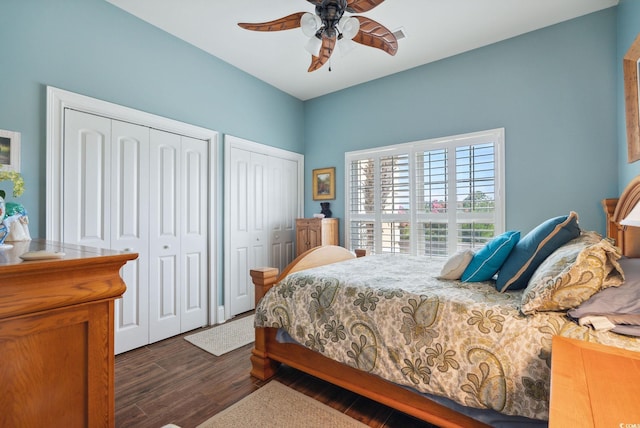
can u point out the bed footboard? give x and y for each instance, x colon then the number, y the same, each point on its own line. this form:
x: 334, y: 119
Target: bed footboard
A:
x: 262, y: 366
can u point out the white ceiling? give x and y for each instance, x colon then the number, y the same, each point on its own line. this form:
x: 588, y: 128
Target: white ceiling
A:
x: 434, y: 29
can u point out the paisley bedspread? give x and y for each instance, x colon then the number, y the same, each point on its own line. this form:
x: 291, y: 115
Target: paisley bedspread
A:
x: 389, y: 315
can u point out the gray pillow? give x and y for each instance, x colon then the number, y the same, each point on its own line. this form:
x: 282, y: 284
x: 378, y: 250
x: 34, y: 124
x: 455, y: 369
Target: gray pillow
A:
x: 621, y: 305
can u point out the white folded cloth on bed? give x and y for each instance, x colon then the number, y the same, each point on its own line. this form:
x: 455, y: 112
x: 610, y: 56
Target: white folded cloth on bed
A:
x: 598, y: 323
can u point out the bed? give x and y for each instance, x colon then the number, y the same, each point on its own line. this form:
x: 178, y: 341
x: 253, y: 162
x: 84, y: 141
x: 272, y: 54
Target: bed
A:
x: 449, y: 352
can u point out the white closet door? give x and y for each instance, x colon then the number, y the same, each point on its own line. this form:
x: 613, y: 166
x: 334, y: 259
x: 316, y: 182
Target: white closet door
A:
x: 112, y: 188
x: 87, y: 174
x: 195, y: 223
x: 130, y: 230
x: 248, y: 224
x: 164, y: 235
x: 105, y: 205
x: 282, y: 213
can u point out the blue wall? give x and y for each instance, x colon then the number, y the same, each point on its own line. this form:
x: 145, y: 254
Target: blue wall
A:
x: 94, y: 48
x: 628, y: 29
x: 556, y: 91
x: 553, y: 90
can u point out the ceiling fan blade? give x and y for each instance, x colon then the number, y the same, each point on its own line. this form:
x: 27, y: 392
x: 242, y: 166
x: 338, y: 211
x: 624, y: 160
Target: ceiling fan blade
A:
x: 286, y: 23
x: 360, y: 6
x: 376, y: 35
x: 325, y: 53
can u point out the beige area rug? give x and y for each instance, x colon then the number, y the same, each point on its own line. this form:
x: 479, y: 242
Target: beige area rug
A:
x: 278, y: 406
x: 225, y: 337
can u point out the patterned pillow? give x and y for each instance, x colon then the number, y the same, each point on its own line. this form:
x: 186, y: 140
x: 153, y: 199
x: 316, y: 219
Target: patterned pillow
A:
x: 489, y: 258
x: 571, y: 275
x: 456, y: 264
x: 534, y: 248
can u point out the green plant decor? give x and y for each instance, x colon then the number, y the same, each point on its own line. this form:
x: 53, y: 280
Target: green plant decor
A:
x: 16, y: 179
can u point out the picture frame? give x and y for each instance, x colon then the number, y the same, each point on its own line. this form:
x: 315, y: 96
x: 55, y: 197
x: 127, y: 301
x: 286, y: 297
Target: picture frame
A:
x: 630, y: 66
x: 324, y: 184
x: 9, y: 150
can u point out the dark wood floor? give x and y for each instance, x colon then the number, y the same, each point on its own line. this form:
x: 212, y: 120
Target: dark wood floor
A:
x: 176, y: 382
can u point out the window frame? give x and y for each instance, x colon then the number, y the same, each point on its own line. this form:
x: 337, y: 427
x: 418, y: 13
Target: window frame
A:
x: 497, y: 218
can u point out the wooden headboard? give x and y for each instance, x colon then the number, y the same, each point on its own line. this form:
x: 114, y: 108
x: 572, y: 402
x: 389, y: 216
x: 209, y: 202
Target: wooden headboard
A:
x: 616, y: 209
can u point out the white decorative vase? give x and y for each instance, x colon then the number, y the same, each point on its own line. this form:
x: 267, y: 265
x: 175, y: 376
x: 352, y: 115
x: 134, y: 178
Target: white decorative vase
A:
x: 2, y: 207
x: 4, y: 231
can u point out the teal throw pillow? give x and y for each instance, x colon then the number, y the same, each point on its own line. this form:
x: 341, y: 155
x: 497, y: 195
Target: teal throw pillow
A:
x: 534, y: 248
x: 488, y: 260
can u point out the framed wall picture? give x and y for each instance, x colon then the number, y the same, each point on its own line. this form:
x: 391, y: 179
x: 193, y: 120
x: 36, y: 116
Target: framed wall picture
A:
x: 324, y: 184
x: 9, y: 150
x: 630, y: 66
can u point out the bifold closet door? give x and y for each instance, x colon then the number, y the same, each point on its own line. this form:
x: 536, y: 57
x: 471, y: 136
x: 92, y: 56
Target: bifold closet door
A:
x: 105, y: 205
x: 178, y: 234
x: 249, y: 226
x: 130, y: 230
x: 87, y: 180
x: 195, y: 234
x: 282, y: 210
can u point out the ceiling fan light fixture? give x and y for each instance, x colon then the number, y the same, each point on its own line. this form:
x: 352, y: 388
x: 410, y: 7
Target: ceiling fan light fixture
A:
x: 349, y: 27
x: 345, y: 46
x: 329, y: 27
x: 313, y: 45
x: 310, y: 23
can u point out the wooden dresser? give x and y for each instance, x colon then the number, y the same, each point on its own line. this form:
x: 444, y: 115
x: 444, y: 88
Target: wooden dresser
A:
x: 593, y: 385
x: 314, y: 232
x: 56, y: 336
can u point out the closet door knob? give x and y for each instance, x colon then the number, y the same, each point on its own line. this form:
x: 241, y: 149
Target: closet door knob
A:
x: 166, y: 247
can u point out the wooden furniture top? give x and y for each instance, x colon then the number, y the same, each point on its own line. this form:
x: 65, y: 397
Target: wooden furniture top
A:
x: 593, y: 385
x: 31, y: 286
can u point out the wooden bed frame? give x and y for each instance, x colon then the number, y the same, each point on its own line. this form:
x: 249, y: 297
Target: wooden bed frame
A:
x: 268, y: 353
x: 625, y: 237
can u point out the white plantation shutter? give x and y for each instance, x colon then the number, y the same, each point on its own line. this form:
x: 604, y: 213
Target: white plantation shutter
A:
x: 429, y: 197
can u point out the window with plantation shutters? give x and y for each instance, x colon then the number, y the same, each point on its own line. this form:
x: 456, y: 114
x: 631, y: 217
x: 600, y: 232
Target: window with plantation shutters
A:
x: 430, y: 197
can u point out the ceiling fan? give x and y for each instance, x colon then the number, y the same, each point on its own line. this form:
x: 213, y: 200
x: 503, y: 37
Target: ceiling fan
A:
x: 330, y: 26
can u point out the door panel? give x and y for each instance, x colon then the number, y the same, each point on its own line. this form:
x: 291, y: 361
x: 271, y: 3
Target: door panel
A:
x: 87, y: 173
x: 129, y: 229
x: 194, y: 237
x: 247, y: 222
x: 164, y: 235
x: 282, y: 188
x: 104, y: 205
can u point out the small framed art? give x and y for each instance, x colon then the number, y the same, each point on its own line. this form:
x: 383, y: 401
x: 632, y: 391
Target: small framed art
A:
x: 9, y: 150
x: 324, y: 184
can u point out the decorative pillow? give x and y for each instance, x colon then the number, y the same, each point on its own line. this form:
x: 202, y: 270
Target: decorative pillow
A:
x: 488, y: 259
x: 456, y: 264
x: 534, y: 248
x: 571, y: 275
